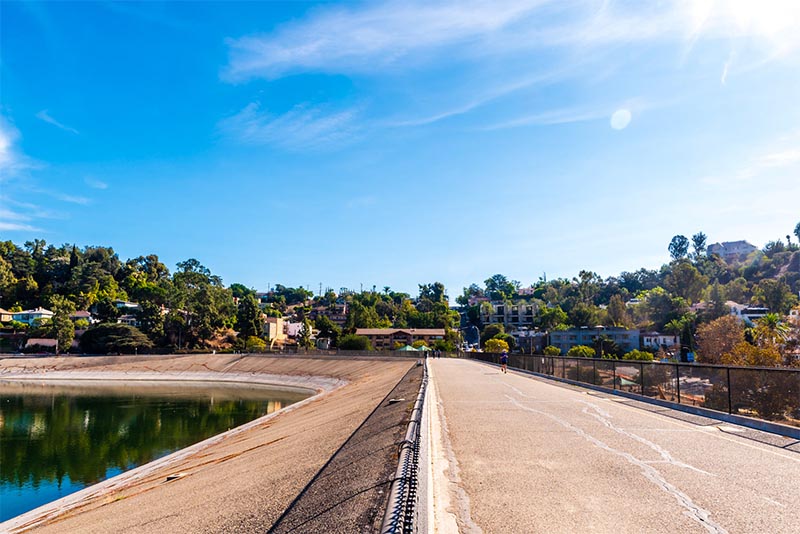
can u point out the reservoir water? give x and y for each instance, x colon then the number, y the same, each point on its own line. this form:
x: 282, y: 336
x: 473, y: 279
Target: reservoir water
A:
x: 58, y: 439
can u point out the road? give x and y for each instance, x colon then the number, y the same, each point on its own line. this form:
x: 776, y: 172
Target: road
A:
x: 519, y: 454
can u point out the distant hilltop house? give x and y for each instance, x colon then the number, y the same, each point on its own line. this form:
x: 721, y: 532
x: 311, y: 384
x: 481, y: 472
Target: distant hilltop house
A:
x: 385, y: 338
x: 731, y: 250
x: 746, y: 313
x: 30, y: 317
x: 6, y: 316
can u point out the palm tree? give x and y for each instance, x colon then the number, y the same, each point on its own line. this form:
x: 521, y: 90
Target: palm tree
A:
x: 771, y: 329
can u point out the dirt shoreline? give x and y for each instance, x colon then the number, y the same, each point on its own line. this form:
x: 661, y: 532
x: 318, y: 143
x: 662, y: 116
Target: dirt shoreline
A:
x: 253, y: 471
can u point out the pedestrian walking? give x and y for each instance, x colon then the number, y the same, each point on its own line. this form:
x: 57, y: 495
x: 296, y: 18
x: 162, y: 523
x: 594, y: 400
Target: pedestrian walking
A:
x: 504, y: 362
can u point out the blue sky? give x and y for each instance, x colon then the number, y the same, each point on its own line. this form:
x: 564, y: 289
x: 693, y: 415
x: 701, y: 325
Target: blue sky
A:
x: 396, y: 143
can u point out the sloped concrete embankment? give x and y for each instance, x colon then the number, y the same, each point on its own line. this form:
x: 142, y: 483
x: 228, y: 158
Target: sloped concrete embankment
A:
x: 241, y: 479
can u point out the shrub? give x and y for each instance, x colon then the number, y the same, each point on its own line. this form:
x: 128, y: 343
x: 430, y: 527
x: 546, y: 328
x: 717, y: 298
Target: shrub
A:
x: 354, y: 342
x: 496, y: 345
x: 106, y: 338
x: 550, y: 350
x: 581, y: 351
x: 641, y: 355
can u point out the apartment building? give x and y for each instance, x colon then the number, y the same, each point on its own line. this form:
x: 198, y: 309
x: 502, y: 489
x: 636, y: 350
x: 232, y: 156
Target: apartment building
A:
x: 385, y: 338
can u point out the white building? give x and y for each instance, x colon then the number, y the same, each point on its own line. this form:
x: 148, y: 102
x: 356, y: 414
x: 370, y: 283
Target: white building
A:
x: 657, y: 340
x: 30, y: 317
x: 746, y: 313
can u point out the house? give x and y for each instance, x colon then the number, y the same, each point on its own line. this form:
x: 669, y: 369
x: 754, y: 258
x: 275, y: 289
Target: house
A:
x: 128, y: 319
x: 566, y: 339
x: 336, y: 313
x: 657, y: 340
x: 82, y: 314
x: 731, y: 250
x: 275, y: 330
x: 126, y: 307
x: 30, y: 317
x: 746, y: 313
x: 385, y: 338
x: 5, y: 316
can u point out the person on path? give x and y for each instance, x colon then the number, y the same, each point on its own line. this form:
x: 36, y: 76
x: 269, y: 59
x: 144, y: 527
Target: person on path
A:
x: 504, y: 362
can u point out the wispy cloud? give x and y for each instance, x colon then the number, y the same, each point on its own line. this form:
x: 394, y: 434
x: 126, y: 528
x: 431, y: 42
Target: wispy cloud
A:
x: 12, y: 161
x: 94, y: 183
x: 302, y: 127
x: 374, y: 36
x: 560, y: 116
x: 45, y: 116
x: 73, y: 199
x: 17, y: 227
x: 781, y: 157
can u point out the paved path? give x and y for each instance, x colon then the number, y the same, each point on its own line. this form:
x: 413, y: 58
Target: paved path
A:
x: 513, y: 453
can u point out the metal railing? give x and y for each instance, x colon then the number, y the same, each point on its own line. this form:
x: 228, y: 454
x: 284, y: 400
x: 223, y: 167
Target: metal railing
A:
x: 768, y: 393
x: 401, y: 510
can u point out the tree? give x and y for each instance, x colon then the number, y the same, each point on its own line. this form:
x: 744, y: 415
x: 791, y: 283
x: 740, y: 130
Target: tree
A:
x: 618, y: 312
x: 249, y: 319
x: 581, y: 351
x: 549, y: 318
x: 775, y: 295
x: 699, y: 244
x: 686, y: 281
x: 106, y: 338
x: 550, y: 350
x: 496, y: 346
x: 498, y: 287
x: 304, y: 337
x: 62, y: 327
x: 678, y: 247
x: 328, y: 329
x: 492, y: 330
x: 797, y: 231
x: 583, y: 314
x: 716, y: 302
x: 354, y: 342
x: 433, y: 292
x: 746, y: 354
x: 717, y: 338
x: 770, y: 330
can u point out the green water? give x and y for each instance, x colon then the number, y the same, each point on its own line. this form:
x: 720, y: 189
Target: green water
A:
x: 55, y: 440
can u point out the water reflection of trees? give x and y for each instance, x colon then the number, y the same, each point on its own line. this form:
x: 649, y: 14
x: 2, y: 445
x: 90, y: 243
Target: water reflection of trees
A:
x: 45, y: 438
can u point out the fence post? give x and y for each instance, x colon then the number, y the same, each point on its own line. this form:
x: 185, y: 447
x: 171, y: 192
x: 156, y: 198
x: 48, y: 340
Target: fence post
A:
x: 614, y: 372
x: 641, y: 376
x: 730, y: 402
x: 678, y: 381
x: 594, y: 370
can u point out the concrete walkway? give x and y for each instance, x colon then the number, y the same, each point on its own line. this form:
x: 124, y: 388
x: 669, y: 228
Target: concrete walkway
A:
x: 518, y: 454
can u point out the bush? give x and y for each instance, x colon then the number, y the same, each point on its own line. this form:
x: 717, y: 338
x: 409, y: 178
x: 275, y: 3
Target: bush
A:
x: 581, y: 351
x: 550, y: 350
x: 496, y: 345
x: 641, y: 355
x: 354, y: 342
x: 508, y: 338
x: 255, y: 344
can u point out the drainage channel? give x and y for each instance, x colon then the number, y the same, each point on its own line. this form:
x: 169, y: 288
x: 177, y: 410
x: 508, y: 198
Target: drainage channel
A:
x: 349, y: 493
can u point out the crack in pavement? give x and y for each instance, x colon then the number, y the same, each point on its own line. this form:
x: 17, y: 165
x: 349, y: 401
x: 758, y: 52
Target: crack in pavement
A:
x: 692, y: 510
